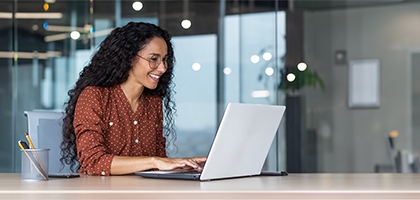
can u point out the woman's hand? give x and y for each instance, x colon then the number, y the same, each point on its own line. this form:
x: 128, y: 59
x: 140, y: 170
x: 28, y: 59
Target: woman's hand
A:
x: 195, y: 163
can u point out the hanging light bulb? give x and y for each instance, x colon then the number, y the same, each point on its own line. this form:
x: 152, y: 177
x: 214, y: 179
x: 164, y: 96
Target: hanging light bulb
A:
x: 269, y: 71
x: 137, y: 5
x: 302, y: 66
x: 227, y: 70
x: 255, y: 59
x: 75, y: 35
x: 186, y: 23
x: 196, y: 66
x: 291, y: 77
x: 267, y: 56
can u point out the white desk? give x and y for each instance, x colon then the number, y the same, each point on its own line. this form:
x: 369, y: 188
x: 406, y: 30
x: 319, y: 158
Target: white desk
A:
x: 294, y: 186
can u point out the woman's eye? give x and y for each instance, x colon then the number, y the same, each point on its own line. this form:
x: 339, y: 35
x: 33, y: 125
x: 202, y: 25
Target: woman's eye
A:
x: 154, y: 59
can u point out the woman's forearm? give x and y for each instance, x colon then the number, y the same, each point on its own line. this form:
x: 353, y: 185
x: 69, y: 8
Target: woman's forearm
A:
x: 128, y: 165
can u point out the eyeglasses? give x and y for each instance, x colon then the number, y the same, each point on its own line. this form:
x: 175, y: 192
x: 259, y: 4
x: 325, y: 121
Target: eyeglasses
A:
x: 154, y: 62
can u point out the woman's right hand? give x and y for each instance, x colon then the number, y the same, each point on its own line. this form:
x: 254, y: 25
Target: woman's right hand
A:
x: 195, y: 163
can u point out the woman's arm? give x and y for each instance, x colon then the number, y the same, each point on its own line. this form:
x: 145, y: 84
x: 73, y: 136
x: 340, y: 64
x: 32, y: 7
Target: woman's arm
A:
x: 94, y: 156
x: 128, y: 165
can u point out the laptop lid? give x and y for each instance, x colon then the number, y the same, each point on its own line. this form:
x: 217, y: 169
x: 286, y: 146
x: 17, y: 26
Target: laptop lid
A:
x: 243, y: 140
x: 241, y: 144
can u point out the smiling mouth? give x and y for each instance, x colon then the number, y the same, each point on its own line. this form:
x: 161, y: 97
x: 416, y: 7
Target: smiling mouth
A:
x: 154, y: 77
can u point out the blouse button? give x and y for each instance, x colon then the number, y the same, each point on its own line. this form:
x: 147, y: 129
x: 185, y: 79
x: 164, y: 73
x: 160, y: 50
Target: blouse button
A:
x: 157, y: 125
x: 136, y: 141
x: 103, y: 173
x: 135, y: 122
x: 111, y: 123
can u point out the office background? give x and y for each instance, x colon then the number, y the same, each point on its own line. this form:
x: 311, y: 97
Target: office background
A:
x: 237, y: 51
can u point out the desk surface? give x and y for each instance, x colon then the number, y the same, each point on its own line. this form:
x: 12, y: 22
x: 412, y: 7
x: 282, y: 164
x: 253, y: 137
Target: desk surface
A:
x: 300, y: 186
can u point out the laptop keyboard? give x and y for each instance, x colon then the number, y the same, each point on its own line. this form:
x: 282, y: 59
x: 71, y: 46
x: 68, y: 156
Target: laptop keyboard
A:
x: 188, y: 172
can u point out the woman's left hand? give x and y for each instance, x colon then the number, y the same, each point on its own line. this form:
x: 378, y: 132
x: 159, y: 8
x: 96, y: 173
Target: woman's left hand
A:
x: 195, y: 163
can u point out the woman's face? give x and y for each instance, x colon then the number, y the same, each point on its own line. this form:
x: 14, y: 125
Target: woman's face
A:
x: 150, y: 63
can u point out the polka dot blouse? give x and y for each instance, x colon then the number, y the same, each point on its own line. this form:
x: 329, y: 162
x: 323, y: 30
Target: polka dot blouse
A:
x: 106, y: 126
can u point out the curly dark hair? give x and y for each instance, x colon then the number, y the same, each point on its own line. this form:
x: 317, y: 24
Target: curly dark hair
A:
x: 110, y: 66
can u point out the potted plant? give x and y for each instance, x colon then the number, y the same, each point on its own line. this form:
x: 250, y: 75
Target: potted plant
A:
x: 294, y: 79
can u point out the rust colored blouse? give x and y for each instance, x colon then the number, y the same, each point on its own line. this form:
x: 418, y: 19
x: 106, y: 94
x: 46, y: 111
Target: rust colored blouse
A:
x: 106, y: 126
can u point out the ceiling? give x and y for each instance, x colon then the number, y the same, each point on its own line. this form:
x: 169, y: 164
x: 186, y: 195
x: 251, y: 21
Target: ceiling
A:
x: 204, y: 13
x: 319, y: 5
x: 169, y: 12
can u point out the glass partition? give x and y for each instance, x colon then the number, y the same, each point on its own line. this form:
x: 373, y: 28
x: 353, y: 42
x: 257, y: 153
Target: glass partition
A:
x: 49, y: 43
x: 253, y: 61
x: 7, y: 73
x: 233, y: 51
x: 195, y: 78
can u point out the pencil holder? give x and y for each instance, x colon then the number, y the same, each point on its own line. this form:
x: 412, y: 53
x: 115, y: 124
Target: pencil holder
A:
x: 34, y: 164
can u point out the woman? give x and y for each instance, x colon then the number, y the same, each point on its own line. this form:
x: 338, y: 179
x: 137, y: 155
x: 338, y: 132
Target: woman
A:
x: 119, y: 116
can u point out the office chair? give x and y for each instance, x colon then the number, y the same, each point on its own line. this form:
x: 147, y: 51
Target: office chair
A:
x: 44, y: 128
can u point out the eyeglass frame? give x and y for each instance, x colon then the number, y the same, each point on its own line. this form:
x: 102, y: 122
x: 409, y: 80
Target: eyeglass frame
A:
x: 164, y: 61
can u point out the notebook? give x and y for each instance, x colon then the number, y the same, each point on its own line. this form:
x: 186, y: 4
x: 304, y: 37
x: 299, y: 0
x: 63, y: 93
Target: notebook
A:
x: 240, y: 146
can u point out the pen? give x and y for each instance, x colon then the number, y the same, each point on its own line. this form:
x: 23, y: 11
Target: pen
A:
x: 22, y: 146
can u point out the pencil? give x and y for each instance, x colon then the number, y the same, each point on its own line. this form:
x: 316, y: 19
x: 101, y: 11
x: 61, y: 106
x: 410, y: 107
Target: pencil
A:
x: 29, y: 140
x: 33, y: 163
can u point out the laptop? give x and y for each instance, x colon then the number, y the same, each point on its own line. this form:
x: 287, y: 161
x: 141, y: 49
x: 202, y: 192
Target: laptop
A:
x: 240, y: 146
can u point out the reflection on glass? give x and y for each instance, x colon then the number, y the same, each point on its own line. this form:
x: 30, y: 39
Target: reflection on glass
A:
x: 195, y: 94
x: 49, y: 43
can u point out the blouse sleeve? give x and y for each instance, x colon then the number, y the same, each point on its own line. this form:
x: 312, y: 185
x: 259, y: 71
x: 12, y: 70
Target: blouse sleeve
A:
x: 161, y: 140
x: 94, y: 156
